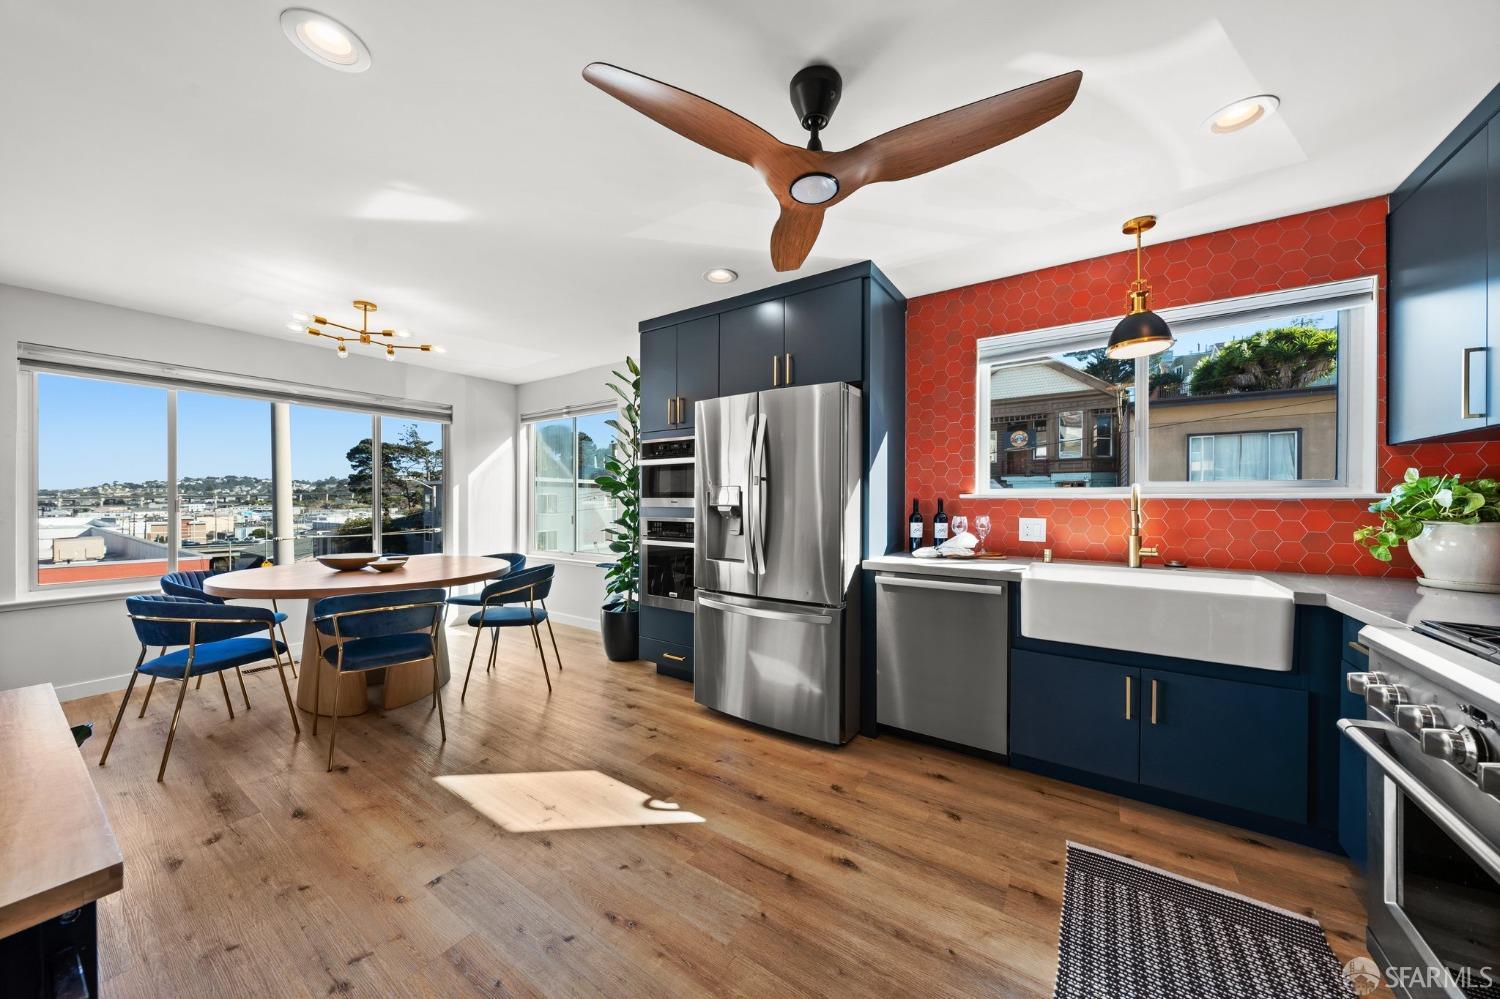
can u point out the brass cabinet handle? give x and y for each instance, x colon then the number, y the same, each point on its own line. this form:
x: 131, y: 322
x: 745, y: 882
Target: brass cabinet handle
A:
x: 1127, y: 697
x: 1360, y: 647
x: 788, y: 366
x: 1153, y: 701
x: 671, y: 410
x: 680, y: 404
x: 775, y: 371
x: 674, y: 657
x: 1463, y: 403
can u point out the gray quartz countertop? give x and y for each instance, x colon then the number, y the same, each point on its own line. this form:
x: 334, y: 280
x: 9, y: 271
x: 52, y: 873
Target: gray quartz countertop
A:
x: 1370, y: 599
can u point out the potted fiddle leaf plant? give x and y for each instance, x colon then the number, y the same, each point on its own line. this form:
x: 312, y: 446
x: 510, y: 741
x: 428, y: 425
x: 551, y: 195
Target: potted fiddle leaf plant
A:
x: 1451, y: 528
x: 620, y: 617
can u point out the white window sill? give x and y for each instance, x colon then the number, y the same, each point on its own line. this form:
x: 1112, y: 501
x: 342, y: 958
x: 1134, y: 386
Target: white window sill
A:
x: 591, y: 560
x: 1116, y: 492
x: 36, y: 599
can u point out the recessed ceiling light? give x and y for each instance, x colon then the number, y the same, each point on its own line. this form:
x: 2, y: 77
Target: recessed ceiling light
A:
x: 1242, y: 114
x: 324, y: 39
x: 720, y: 275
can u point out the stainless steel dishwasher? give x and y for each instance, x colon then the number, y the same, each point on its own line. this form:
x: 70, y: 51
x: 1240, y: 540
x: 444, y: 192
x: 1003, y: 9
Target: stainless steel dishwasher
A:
x: 942, y: 657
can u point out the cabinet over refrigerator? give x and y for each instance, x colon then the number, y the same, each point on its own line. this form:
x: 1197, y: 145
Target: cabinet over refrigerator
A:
x: 776, y: 623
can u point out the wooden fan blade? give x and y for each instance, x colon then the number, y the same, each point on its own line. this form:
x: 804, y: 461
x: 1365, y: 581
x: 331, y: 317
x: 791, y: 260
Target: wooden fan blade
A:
x: 795, y: 233
x: 689, y: 115
x: 954, y: 135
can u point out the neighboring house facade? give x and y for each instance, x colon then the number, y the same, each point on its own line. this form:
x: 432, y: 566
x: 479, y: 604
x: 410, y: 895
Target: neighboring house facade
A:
x: 1053, y: 425
x: 1276, y: 436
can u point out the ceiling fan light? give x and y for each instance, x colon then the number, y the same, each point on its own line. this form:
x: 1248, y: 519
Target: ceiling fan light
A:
x: 815, y: 188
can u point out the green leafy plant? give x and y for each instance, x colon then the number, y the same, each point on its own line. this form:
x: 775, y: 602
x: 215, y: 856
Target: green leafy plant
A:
x: 621, y: 480
x: 1283, y: 358
x: 1419, y: 498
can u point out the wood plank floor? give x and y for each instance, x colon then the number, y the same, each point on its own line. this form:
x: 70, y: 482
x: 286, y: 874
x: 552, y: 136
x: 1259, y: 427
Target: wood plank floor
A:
x: 883, y: 868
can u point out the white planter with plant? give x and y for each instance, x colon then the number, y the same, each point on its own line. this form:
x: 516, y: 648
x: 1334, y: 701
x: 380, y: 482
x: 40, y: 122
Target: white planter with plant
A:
x: 1451, y: 528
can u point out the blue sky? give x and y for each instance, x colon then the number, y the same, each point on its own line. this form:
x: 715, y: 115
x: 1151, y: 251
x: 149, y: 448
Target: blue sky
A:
x: 98, y: 431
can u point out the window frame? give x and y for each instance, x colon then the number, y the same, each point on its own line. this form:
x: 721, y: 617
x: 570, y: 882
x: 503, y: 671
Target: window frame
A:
x: 1355, y: 300
x: 528, y: 426
x: 211, y: 383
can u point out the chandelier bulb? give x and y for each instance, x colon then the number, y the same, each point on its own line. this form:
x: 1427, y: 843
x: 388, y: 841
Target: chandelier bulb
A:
x: 403, y: 333
x: 343, y: 351
x: 390, y: 353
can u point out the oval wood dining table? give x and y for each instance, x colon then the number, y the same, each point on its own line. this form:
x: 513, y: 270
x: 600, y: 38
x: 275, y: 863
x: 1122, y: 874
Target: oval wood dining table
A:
x: 311, y: 581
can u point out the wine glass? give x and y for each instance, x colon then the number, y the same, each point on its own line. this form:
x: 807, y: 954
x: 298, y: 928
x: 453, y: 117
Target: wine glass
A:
x: 960, y: 524
x: 982, y: 528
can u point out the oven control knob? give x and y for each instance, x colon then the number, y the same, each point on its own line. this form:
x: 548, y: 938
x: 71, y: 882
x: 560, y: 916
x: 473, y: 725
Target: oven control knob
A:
x: 1413, y: 718
x: 1460, y: 746
x: 1357, y: 682
x: 1385, y: 696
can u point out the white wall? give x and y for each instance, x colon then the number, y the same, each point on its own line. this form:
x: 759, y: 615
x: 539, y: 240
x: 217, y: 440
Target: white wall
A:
x: 578, y: 588
x: 85, y: 648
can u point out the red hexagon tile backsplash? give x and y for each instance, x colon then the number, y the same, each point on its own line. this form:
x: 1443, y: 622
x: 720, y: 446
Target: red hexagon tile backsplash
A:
x: 1312, y: 535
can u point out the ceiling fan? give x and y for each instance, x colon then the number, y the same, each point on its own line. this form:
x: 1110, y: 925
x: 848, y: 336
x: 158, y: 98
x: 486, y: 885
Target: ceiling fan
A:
x: 808, y: 181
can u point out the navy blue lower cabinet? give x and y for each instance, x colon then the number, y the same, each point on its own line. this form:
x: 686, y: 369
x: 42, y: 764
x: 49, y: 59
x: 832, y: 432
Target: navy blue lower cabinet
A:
x: 1238, y: 744
x: 1075, y: 713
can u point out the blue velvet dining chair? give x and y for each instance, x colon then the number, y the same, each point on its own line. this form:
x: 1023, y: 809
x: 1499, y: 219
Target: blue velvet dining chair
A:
x: 210, y: 638
x: 189, y: 583
x: 374, y: 631
x: 517, y: 563
x: 499, y: 607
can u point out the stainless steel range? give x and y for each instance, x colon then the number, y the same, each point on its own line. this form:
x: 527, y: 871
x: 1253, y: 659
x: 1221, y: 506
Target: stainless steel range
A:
x: 1433, y: 820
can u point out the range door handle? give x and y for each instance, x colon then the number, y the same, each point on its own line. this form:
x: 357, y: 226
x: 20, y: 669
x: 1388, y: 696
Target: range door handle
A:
x: 1370, y: 737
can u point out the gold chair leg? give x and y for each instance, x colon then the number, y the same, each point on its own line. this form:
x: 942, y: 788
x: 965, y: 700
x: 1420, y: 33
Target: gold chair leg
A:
x: 317, y: 693
x: 333, y: 733
x: 176, y: 713
x: 149, y: 687
x: 281, y: 625
x: 243, y: 692
x: 200, y: 682
x: 129, y: 686
x: 470, y: 671
x: 438, y: 700
x: 494, y: 649
x: 285, y: 689
x: 553, y: 636
x: 224, y: 684
x: 536, y: 637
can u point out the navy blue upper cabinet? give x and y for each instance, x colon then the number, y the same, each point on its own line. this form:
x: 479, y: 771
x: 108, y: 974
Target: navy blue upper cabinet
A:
x: 825, y: 335
x: 658, y: 378
x: 1238, y: 744
x: 697, y: 366
x: 679, y: 367
x: 1075, y: 713
x: 751, y: 339
x: 1443, y: 370
x: 1439, y: 273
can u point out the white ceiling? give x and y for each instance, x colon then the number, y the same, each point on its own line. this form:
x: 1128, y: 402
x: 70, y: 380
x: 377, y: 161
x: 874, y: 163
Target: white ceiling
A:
x: 185, y: 159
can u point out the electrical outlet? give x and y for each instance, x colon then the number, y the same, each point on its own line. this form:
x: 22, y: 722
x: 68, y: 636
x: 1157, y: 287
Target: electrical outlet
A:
x: 1033, y: 529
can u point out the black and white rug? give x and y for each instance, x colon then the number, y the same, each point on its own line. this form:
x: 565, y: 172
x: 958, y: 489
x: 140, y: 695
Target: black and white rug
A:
x: 1130, y: 931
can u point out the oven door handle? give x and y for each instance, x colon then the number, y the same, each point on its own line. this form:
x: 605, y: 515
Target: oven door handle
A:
x: 1364, y: 735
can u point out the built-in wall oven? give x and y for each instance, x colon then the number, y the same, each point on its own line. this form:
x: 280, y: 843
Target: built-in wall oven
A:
x: 1433, y: 814
x: 668, y: 472
x: 667, y: 559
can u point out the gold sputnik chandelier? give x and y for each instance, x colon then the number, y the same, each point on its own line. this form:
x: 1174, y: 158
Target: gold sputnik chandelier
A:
x: 378, y: 338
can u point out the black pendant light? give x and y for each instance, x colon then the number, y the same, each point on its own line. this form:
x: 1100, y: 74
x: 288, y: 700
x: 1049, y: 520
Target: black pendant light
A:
x: 1142, y: 332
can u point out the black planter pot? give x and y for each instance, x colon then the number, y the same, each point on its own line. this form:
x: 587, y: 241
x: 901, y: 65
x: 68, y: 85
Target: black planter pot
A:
x: 622, y: 633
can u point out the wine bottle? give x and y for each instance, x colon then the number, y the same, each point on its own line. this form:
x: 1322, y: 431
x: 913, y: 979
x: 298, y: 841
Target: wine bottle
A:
x: 915, y: 538
x: 939, y: 525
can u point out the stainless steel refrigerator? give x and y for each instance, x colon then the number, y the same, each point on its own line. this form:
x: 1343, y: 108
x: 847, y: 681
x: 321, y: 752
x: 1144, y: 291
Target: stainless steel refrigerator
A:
x: 776, y: 605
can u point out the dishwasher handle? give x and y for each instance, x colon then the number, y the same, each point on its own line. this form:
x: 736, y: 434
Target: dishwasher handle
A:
x: 992, y: 589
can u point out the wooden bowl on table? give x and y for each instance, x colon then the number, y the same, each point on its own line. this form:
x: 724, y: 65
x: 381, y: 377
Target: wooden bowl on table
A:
x: 348, y: 561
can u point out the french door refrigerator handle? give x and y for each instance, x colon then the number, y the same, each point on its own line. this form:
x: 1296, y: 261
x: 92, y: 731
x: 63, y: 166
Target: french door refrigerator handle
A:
x: 758, y: 451
x: 1448, y: 820
x: 806, y: 617
x: 747, y: 512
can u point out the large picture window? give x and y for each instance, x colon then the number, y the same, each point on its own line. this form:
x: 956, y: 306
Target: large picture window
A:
x: 113, y: 502
x: 568, y: 511
x: 1263, y: 394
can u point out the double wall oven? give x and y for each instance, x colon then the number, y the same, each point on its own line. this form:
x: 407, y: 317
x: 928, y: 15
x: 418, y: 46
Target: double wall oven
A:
x: 1433, y: 813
